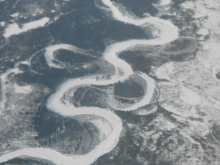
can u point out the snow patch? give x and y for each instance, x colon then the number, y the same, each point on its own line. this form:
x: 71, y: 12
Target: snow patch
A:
x: 2, y: 24
x: 161, y: 73
x: 85, y: 66
x: 170, y: 125
x: 203, y: 31
x: 14, y: 15
x: 165, y: 2
x: 14, y: 29
x: 188, y: 5
x: 22, y: 89
x: 189, y: 96
x: 164, y: 71
x: 104, y: 128
x: 199, y: 128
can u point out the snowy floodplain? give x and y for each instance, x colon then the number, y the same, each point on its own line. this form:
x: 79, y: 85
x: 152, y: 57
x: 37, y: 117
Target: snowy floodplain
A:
x: 168, y: 33
x: 165, y: 2
x: 4, y: 79
x: 14, y: 29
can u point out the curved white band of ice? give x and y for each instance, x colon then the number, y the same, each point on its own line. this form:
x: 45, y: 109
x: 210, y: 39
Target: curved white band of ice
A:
x: 168, y: 33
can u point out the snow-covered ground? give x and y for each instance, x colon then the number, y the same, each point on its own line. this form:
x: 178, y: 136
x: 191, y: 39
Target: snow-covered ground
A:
x: 189, y: 97
x: 22, y: 89
x: 4, y: 79
x: 14, y: 29
x: 164, y: 71
x: 104, y: 128
x: 2, y: 24
x: 165, y: 2
x: 15, y: 14
x: 203, y: 31
x: 168, y: 33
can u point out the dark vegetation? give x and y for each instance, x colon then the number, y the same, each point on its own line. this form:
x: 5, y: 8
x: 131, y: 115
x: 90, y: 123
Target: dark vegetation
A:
x: 184, y: 21
x: 128, y: 89
x: 181, y: 45
x: 139, y: 7
x: 178, y: 45
x: 89, y: 31
x: 51, y: 77
x: 38, y: 63
x: 131, y: 145
x: 134, y: 146
x: 72, y: 57
x: 21, y: 47
x: 93, y: 30
x: 27, y: 161
x: 182, y: 49
x: 88, y: 96
x: 182, y: 57
x: 176, y: 3
x: 216, y: 131
x: 124, y: 101
x: 218, y: 75
x: 64, y: 134
x: 140, y: 62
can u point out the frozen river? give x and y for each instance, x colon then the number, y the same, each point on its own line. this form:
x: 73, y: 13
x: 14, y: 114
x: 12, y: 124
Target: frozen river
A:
x: 167, y: 33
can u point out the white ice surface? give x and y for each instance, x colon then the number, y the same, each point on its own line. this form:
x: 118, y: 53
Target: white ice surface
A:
x: 168, y: 33
x: 14, y: 29
x: 165, y: 2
